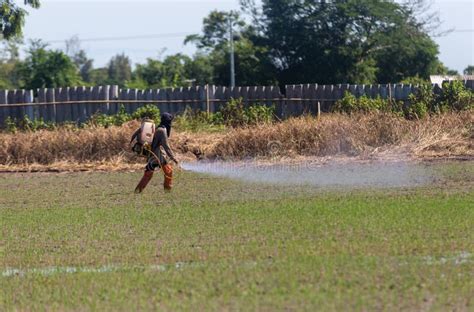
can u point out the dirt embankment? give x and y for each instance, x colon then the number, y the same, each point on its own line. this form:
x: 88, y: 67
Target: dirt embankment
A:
x: 445, y: 136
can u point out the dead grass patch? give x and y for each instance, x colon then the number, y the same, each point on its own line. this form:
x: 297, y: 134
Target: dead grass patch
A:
x: 448, y: 135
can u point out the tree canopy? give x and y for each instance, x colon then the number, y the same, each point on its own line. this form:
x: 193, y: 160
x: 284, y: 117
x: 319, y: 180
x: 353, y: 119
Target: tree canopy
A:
x: 44, y: 68
x: 275, y: 42
x: 12, y: 17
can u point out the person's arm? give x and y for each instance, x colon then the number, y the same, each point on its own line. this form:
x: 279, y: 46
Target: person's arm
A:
x: 165, y: 143
x: 135, y: 135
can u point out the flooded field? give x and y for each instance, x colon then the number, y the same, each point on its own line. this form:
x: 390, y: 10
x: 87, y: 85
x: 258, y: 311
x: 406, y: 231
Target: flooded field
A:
x: 342, y: 174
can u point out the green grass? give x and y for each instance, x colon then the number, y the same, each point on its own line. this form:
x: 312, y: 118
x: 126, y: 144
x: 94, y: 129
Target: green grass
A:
x: 216, y: 244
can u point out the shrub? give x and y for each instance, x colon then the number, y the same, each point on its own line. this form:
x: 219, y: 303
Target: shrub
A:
x: 148, y: 111
x: 455, y: 96
x: 26, y: 124
x: 257, y: 114
x: 234, y: 114
x: 421, y: 102
x: 121, y: 117
x: 10, y: 125
x: 350, y: 104
x: 104, y: 120
x: 191, y: 120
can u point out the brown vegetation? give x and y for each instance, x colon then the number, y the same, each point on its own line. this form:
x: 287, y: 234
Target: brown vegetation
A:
x: 446, y: 135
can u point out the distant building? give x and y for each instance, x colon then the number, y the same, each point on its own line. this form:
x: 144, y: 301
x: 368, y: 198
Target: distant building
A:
x: 438, y: 79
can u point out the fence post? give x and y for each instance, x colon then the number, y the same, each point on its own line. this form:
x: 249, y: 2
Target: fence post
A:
x: 104, y: 93
x: 114, y: 96
x: 132, y: 96
x: 276, y: 96
x: 59, y: 107
x: 65, y: 108
x: 298, y: 94
x: 140, y: 97
x: 218, y: 95
x: 12, y: 100
x: 289, y: 110
x: 208, y: 107
x: 212, y: 95
x: 167, y: 106
x: 20, y: 98
x: 4, y: 112
x: 161, y: 96
x: 74, y: 106
x: 50, y: 98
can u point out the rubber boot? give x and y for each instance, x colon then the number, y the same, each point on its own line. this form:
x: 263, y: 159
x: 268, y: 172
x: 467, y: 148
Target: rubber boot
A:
x: 168, y: 172
x: 144, y: 181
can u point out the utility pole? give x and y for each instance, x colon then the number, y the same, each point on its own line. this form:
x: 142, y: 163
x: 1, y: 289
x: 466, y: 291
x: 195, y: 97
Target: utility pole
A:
x: 232, y: 52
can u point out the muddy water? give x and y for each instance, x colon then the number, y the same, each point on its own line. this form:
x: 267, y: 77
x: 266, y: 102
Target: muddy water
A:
x: 347, y: 174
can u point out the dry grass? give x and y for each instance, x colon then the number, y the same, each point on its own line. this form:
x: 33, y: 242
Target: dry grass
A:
x: 446, y: 135
x: 438, y: 136
x: 70, y: 145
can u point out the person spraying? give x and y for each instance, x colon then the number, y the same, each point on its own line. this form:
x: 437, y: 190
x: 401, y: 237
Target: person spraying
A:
x: 151, y: 148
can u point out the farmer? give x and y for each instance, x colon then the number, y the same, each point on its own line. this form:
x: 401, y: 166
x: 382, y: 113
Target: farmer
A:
x: 160, y: 139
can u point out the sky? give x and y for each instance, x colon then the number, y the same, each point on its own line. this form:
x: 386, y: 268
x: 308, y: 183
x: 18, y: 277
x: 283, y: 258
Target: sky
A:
x: 165, y: 23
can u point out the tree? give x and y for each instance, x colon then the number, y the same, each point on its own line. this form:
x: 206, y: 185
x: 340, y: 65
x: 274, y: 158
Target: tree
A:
x: 441, y: 69
x: 44, y: 68
x: 99, y: 76
x: 12, y: 17
x: 216, y: 30
x: 200, y: 68
x: 253, y: 67
x: 9, y: 62
x: 174, y: 71
x: 469, y: 70
x: 79, y: 57
x: 360, y: 41
x: 252, y: 64
x: 119, y: 70
x: 408, y: 53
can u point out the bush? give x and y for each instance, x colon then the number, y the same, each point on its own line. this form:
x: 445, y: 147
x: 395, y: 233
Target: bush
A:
x: 148, y: 111
x: 10, y: 125
x: 26, y: 124
x: 199, y: 120
x: 121, y: 117
x: 103, y: 120
x: 234, y: 114
x: 455, y: 96
x: 350, y: 104
x: 421, y: 102
x: 258, y: 114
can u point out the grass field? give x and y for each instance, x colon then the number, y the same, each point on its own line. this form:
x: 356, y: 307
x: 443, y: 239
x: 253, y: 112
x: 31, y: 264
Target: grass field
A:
x: 84, y: 241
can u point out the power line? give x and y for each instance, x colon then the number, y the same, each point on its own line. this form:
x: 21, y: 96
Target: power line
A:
x: 136, y: 37
x: 171, y: 35
x: 463, y: 30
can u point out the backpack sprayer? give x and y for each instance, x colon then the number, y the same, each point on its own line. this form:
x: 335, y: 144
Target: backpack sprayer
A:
x: 144, y: 137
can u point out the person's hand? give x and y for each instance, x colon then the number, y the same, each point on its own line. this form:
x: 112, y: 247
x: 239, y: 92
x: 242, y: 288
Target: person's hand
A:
x: 176, y: 162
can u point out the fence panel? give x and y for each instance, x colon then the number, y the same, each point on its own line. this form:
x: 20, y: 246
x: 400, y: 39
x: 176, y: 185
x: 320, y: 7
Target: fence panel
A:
x: 80, y: 103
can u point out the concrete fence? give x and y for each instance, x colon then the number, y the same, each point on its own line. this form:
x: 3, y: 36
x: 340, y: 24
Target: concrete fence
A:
x: 77, y: 104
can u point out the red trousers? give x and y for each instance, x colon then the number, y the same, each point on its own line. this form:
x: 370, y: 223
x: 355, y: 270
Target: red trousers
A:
x: 167, y: 184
